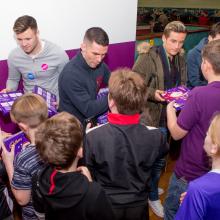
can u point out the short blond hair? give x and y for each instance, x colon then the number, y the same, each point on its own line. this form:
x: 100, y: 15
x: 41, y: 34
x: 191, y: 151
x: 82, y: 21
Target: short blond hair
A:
x: 174, y: 26
x: 30, y: 109
x: 214, y: 130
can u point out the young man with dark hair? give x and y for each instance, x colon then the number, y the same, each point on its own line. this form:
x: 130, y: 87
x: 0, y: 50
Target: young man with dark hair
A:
x: 162, y: 67
x: 191, y: 126
x: 120, y: 154
x: 194, y: 58
x: 38, y: 62
x: 83, y: 76
x: 62, y: 190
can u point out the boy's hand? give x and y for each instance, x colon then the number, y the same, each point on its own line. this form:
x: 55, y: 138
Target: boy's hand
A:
x: 5, y: 134
x: 182, y: 196
x: 170, y: 108
x: 84, y: 170
x: 8, y: 157
x: 5, y: 90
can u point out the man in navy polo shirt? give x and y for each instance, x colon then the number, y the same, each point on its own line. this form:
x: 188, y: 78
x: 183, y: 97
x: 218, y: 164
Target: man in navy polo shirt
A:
x: 83, y: 76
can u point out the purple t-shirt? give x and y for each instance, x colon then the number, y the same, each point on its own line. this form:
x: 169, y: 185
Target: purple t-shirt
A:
x: 202, y: 199
x: 195, y: 117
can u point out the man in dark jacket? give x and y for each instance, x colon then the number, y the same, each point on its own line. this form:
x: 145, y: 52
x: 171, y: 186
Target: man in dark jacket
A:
x: 162, y: 67
x: 83, y: 76
x: 61, y: 190
x: 194, y: 58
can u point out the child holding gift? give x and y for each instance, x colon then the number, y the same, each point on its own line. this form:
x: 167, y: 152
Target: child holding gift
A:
x: 28, y: 111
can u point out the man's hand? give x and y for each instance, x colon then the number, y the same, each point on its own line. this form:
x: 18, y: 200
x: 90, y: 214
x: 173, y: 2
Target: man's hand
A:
x: 88, y: 126
x: 56, y: 104
x: 158, y: 96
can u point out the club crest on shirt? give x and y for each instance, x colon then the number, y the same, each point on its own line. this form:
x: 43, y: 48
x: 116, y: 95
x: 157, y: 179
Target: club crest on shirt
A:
x: 99, y: 81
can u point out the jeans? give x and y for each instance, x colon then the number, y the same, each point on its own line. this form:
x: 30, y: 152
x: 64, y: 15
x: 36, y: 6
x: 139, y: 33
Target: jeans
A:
x: 176, y: 187
x: 155, y: 177
x: 157, y: 168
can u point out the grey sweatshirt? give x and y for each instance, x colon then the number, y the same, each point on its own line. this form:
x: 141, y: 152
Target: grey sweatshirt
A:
x: 42, y: 70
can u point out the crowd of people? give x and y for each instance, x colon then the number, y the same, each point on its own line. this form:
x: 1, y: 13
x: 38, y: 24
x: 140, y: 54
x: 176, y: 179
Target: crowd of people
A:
x: 158, y: 18
x: 70, y: 170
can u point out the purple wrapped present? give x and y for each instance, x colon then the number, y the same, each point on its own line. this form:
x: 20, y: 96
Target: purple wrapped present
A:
x: 178, y: 94
x: 49, y: 97
x: 17, y: 140
x: 7, y: 100
x: 102, y: 119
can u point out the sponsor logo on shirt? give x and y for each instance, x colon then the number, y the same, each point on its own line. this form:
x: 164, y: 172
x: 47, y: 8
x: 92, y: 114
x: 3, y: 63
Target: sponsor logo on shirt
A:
x: 44, y: 66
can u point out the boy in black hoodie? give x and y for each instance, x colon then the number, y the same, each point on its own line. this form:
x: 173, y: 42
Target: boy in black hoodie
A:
x: 121, y: 153
x: 61, y: 190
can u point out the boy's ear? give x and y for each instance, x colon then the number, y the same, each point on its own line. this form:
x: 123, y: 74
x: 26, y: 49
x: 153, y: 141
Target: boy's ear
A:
x: 214, y: 149
x: 111, y: 102
x: 210, y: 38
x: 23, y: 126
x: 80, y: 152
x: 206, y: 67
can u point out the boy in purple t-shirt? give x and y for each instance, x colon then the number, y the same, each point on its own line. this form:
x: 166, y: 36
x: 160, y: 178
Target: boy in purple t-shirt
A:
x: 203, y: 194
x: 192, y: 125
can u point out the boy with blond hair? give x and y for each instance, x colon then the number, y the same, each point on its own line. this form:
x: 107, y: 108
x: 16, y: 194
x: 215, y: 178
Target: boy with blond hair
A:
x: 28, y: 111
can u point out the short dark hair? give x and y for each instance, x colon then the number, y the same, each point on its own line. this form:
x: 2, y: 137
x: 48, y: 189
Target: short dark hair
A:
x: 174, y: 26
x: 58, y: 140
x: 98, y: 35
x: 128, y: 91
x: 215, y: 30
x: 30, y: 109
x: 23, y: 23
x: 211, y: 52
